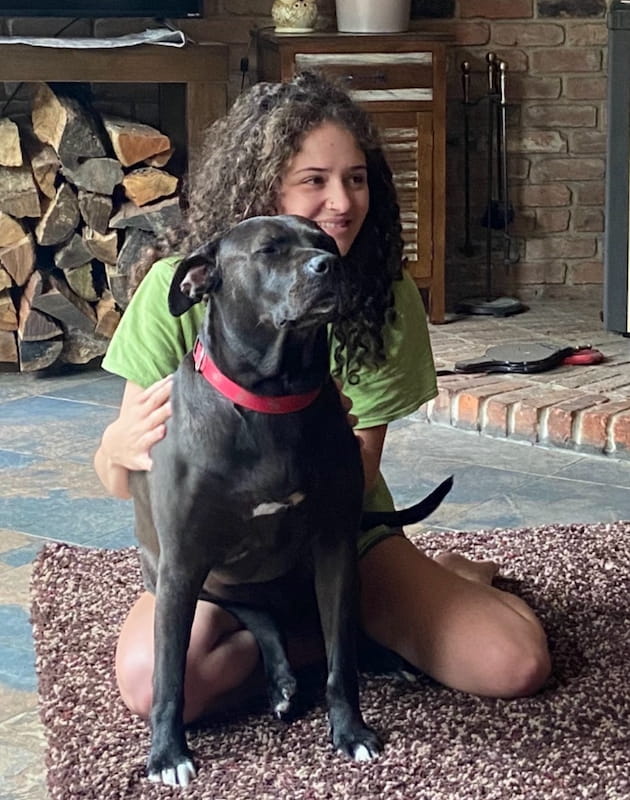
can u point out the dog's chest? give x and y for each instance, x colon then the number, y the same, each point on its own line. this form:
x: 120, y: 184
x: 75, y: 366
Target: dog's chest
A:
x: 259, y: 481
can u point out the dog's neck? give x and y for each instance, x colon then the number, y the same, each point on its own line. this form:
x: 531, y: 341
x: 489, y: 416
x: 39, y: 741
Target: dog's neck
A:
x: 266, y: 362
x: 266, y: 404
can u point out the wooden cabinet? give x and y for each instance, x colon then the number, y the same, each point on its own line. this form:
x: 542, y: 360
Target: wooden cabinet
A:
x: 400, y: 79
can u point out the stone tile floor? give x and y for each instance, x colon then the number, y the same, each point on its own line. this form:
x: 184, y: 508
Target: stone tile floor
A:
x: 50, y: 426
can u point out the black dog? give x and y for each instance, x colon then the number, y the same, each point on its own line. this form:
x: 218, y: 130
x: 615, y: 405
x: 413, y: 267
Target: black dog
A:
x: 259, y: 477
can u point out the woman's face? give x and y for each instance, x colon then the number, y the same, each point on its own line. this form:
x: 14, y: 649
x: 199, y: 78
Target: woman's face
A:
x: 326, y: 181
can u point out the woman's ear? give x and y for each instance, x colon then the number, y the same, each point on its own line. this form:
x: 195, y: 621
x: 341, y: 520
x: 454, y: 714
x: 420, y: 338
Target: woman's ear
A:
x: 196, y: 276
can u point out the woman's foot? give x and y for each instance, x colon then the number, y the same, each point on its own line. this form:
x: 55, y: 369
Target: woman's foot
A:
x: 478, y: 571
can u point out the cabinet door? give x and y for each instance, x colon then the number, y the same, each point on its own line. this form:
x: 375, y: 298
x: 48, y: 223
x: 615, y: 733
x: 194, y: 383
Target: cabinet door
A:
x: 407, y: 138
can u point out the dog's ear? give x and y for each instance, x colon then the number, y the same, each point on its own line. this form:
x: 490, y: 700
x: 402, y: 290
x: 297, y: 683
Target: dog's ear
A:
x: 195, y: 276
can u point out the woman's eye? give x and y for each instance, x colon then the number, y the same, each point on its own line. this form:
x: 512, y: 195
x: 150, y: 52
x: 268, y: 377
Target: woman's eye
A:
x: 357, y: 180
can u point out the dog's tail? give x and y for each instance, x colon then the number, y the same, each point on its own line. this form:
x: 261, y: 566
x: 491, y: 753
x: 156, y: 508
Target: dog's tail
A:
x: 411, y: 515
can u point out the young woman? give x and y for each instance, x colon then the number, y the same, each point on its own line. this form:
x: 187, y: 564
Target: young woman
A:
x: 305, y: 148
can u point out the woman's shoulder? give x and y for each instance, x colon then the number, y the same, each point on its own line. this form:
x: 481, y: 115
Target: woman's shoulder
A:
x: 159, y: 275
x: 150, y: 342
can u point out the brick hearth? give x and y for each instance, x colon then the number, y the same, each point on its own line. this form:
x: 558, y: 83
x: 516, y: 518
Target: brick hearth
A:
x: 586, y: 408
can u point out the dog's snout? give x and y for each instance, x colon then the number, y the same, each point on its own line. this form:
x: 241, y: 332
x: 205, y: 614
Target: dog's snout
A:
x: 320, y: 265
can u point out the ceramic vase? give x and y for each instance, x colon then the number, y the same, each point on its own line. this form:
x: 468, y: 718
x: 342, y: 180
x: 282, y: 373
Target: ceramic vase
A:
x: 373, y: 16
x: 294, y: 16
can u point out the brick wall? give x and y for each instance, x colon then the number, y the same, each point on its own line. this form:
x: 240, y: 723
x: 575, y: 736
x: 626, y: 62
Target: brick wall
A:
x: 556, y: 56
x: 556, y: 88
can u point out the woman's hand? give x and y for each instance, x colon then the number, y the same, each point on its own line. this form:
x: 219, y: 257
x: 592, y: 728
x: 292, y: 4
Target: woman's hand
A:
x: 126, y: 443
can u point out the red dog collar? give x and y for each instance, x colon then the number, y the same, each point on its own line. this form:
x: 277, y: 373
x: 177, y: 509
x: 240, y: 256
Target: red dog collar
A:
x: 242, y: 397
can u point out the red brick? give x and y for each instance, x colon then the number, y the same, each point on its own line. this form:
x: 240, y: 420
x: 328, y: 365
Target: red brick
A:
x: 231, y: 30
x: 560, y: 116
x: 532, y: 87
x: 559, y: 427
x: 551, y: 194
x: 620, y: 433
x: 540, y: 272
x: 534, y: 140
x: 566, y: 59
x: 242, y: 7
x: 585, y: 272
x: 551, y: 247
x: 526, y: 34
x: 526, y: 415
x: 592, y: 425
x: 497, y: 410
x: 467, y: 412
x: 524, y: 222
x: 568, y: 169
x: 589, y: 194
x: 550, y: 220
x: 588, y: 219
x: 439, y: 409
x: 581, y: 34
x: 588, y: 141
x: 468, y: 33
x: 585, y: 88
x: 497, y: 9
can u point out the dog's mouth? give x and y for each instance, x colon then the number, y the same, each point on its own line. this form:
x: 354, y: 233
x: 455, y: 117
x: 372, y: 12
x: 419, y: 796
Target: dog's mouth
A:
x: 316, y: 316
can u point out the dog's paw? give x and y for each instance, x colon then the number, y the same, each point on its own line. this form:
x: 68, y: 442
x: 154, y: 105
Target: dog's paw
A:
x: 282, y: 697
x: 359, y: 743
x: 179, y: 773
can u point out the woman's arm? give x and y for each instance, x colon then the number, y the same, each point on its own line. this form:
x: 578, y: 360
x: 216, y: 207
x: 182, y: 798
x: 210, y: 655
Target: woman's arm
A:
x: 372, y: 441
x: 126, y: 443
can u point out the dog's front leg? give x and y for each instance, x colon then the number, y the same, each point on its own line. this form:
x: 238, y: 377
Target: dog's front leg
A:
x: 177, y: 590
x: 336, y: 583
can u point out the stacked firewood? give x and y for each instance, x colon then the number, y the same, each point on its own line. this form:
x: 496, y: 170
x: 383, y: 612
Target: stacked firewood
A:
x: 82, y: 199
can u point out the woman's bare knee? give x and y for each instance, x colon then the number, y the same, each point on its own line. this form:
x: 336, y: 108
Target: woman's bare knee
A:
x: 465, y: 634
x: 520, y: 667
x: 220, y: 657
x: 134, y: 675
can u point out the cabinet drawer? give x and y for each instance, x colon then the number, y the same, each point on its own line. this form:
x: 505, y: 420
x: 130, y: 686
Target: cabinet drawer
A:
x: 373, y: 77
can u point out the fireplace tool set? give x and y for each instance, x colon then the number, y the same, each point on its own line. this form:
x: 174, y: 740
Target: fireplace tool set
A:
x: 498, y: 212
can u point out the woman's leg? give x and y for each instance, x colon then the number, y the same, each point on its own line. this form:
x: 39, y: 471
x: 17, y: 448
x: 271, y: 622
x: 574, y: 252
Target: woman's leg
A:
x: 221, y: 657
x: 447, y: 620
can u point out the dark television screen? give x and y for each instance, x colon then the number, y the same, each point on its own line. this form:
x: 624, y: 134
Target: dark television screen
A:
x: 101, y: 8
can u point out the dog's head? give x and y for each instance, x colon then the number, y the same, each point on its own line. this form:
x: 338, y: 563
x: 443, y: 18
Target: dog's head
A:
x: 277, y: 271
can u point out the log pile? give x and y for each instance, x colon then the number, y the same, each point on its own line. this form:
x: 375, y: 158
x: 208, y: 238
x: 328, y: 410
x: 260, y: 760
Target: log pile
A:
x: 82, y: 198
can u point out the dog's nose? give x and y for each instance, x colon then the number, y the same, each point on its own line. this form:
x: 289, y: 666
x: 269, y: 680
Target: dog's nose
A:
x: 319, y: 264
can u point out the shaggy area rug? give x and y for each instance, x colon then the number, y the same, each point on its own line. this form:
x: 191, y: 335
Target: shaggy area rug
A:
x: 570, y: 741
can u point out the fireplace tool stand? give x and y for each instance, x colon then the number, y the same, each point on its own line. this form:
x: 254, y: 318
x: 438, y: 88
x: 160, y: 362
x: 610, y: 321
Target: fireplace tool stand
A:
x: 498, y: 213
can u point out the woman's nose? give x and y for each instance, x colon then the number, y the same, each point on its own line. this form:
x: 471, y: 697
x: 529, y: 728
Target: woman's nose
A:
x: 338, y: 199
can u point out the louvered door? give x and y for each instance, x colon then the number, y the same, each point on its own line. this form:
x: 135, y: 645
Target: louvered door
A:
x: 408, y: 144
x: 400, y: 80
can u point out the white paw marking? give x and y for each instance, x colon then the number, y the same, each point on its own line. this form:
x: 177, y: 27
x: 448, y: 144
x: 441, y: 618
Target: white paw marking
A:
x: 362, y: 753
x: 175, y: 776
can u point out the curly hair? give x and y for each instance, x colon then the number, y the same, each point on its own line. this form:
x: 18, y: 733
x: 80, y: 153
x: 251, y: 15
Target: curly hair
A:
x: 238, y: 176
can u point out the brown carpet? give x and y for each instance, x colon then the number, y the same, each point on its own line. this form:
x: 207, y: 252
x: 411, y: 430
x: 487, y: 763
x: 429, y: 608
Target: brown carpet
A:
x: 570, y: 741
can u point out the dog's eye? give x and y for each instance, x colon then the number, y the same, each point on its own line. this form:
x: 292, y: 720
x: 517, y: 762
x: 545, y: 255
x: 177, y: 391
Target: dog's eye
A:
x: 271, y: 246
x: 267, y: 249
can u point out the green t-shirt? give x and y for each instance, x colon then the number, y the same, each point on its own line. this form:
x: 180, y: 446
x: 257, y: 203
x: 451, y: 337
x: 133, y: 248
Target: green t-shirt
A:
x: 149, y: 343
